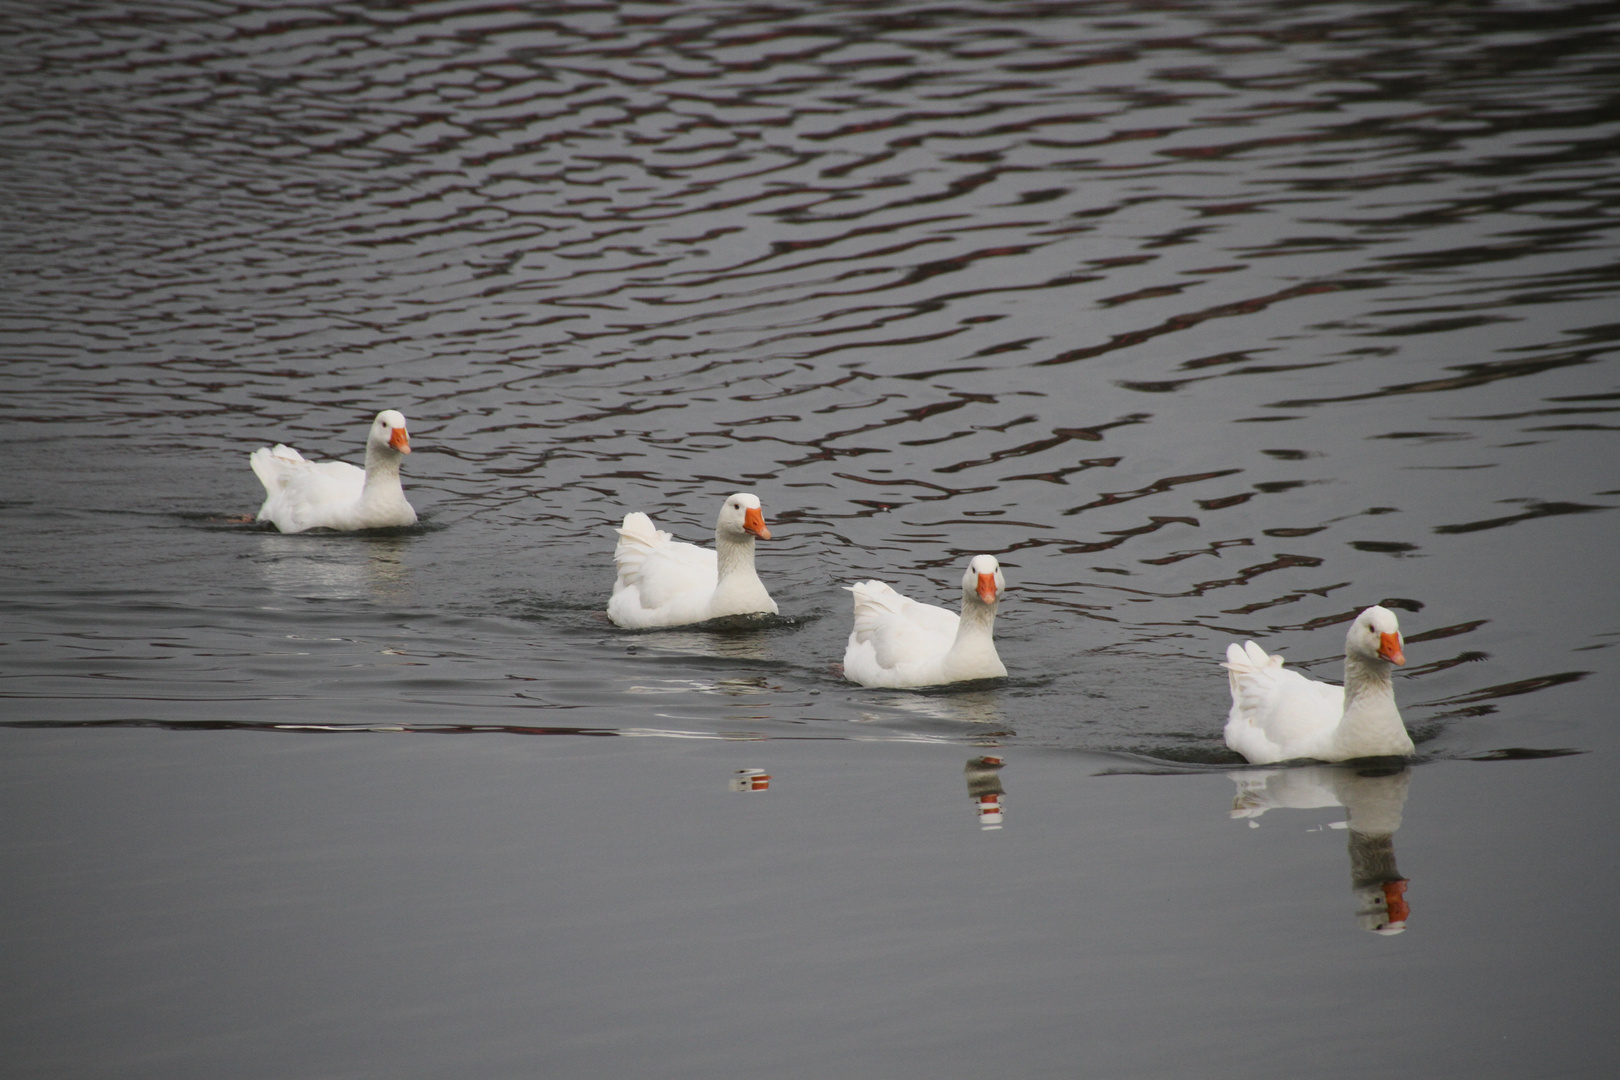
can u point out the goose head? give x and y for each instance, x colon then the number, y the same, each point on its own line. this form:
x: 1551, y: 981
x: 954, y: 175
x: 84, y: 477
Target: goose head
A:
x: 1376, y: 636
x: 983, y: 579
x: 388, y: 430
x: 741, y: 514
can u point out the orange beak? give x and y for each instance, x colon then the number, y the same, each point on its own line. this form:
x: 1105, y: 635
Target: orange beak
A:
x: 1395, y: 901
x: 754, y: 522
x: 987, y: 588
x: 399, y: 440
x: 1389, y: 647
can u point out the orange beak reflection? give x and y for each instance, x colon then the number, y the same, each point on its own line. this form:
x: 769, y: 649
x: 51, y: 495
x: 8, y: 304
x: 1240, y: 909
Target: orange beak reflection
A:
x: 1395, y: 900
x: 399, y: 440
x: 754, y: 522
x: 1389, y: 647
x: 987, y: 588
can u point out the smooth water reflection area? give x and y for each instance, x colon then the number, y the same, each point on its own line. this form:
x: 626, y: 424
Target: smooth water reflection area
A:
x: 301, y: 906
x: 1212, y: 321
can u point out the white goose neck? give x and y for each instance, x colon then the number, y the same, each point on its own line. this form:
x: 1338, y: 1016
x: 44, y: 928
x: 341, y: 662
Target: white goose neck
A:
x: 975, y: 632
x: 1366, y: 679
x: 734, y: 554
x: 1371, y: 725
x: 978, y: 617
x: 382, y: 471
x: 972, y: 654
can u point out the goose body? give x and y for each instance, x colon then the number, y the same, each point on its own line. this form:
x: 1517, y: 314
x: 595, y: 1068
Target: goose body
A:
x: 662, y: 581
x: 1279, y: 715
x: 300, y: 494
x: 900, y: 643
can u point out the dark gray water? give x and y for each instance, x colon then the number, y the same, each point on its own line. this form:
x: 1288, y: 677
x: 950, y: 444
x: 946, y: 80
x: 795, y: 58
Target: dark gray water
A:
x: 1210, y: 320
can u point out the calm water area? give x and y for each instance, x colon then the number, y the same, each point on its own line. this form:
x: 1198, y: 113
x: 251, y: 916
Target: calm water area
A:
x: 1211, y: 320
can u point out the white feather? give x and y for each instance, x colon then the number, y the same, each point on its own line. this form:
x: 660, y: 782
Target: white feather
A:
x: 1277, y: 714
x: 662, y: 581
x: 300, y: 494
x: 898, y: 642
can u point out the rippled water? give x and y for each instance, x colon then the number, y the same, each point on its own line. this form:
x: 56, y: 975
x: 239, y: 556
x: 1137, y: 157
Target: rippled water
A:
x: 1209, y: 320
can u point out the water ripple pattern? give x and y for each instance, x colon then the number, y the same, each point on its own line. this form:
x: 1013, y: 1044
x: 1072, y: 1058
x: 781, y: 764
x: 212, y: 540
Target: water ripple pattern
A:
x: 1209, y: 319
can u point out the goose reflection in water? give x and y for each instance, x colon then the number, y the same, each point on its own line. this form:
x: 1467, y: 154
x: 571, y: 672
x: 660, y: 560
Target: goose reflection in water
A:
x: 1373, y: 797
x: 984, y: 788
x: 715, y: 641
x: 750, y: 780
x: 738, y: 687
x: 343, y: 569
x: 962, y: 707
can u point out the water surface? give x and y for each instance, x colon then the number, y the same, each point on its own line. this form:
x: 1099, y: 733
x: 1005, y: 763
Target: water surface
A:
x: 1211, y: 321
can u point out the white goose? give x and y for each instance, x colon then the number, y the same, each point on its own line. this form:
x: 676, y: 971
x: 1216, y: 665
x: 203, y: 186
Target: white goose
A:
x: 664, y: 582
x: 1280, y: 715
x: 302, y: 494
x: 900, y: 643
